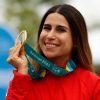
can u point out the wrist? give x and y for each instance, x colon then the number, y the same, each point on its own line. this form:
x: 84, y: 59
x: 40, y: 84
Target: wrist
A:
x: 23, y: 70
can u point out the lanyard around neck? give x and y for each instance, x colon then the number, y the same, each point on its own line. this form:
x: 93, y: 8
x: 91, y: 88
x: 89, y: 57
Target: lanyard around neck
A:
x: 45, y: 64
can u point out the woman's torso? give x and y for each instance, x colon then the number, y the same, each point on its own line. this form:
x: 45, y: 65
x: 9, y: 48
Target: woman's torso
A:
x: 78, y: 85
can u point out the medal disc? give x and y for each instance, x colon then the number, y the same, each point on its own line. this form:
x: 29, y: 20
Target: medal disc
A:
x: 22, y: 36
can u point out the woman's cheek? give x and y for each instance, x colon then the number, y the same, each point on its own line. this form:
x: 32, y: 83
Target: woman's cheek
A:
x: 41, y: 39
x: 42, y: 36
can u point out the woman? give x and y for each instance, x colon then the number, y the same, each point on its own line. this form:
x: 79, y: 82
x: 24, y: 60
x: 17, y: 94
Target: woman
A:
x: 62, y: 37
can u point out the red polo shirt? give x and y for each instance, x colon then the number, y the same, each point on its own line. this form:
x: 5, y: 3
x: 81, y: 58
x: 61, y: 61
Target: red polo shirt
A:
x: 77, y: 85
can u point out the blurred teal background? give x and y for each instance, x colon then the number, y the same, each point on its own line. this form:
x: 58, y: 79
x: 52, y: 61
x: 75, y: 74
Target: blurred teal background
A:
x: 17, y: 15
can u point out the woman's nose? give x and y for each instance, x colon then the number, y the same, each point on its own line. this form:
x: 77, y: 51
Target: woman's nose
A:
x: 51, y: 34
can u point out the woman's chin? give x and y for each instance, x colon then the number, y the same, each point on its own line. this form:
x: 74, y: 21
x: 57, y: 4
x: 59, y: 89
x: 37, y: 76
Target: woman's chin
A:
x: 50, y: 56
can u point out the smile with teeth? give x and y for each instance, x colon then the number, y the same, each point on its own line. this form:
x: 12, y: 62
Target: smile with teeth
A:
x: 49, y: 45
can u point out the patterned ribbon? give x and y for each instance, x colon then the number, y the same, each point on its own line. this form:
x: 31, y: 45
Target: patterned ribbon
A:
x: 45, y: 64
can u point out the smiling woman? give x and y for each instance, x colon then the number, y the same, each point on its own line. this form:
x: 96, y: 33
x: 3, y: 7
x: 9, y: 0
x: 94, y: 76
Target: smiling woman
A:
x: 63, y: 45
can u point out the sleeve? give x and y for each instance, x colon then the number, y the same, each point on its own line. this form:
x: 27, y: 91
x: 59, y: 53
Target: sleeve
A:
x: 18, y: 87
x: 96, y: 94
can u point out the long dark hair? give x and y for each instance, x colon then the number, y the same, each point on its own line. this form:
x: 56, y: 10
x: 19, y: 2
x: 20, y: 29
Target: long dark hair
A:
x: 81, y: 50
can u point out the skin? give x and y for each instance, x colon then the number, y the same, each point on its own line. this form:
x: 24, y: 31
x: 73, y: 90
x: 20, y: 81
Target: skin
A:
x: 17, y: 58
x: 55, y: 42
x: 55, y: 39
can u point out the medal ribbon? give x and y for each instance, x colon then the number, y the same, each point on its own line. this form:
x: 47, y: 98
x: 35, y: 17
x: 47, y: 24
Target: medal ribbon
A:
x: 45, y: 64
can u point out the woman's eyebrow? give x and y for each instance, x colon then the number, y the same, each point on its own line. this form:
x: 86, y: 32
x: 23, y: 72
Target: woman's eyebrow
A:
x: 58, y: 26
x: 46, y: 25
x: 62, y: 26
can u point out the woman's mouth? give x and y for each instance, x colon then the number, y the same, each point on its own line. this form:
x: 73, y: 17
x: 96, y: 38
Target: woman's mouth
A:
x: 50, y: 45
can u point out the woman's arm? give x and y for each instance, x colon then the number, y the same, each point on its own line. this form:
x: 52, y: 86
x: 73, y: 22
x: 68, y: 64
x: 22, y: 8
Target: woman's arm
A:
x: 19, y: 87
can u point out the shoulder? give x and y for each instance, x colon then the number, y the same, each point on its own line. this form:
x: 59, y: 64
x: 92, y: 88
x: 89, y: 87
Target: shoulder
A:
x: 87, y: 77
x: 88, y: 80
x: 86, y: 74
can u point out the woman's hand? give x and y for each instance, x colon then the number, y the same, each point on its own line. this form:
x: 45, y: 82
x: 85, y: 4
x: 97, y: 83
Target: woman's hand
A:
x: 17, y: 58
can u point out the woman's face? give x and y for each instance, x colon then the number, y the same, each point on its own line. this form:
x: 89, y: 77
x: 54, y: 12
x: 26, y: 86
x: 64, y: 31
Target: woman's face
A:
x: 55, y: 39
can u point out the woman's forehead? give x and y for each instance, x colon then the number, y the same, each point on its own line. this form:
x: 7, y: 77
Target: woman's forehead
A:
x: 56, y: 19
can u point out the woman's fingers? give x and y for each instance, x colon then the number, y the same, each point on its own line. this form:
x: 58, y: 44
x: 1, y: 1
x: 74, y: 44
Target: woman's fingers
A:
x: 17, y: 58
x: 14, y: 61
x: 14, y: 53
x: 22, y: 54
x: 15, y: 50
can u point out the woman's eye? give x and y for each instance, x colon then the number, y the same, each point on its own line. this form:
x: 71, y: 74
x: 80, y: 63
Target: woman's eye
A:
x: 61, y: 30
x: 46, y: 28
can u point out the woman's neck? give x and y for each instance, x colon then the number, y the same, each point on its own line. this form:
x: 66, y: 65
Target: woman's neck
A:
x: 60, y: 61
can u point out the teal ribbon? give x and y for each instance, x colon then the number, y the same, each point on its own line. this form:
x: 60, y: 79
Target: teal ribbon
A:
x: 45, y: 64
